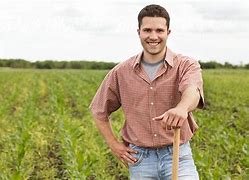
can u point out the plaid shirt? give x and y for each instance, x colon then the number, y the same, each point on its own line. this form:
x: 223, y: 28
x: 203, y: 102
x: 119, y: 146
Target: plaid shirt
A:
x: 128, y: 86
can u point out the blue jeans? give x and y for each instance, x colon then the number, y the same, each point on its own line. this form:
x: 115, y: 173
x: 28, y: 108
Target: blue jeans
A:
x: 157, y: 163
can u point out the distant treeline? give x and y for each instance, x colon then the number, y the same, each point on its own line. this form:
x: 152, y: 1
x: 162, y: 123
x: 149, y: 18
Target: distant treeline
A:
x: 49, y: 64
x: 226, y: 65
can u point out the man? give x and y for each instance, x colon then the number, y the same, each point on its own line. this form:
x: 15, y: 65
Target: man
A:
x: 157, y: 90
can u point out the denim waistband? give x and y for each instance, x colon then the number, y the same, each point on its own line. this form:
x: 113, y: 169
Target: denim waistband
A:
x: 167, y: 148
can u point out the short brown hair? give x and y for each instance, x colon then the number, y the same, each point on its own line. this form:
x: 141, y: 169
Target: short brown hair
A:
x: 153, y: 10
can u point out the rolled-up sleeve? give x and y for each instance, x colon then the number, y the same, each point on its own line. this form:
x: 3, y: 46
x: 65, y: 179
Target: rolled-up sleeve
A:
x: 190, y: 75
x: 107, y: 98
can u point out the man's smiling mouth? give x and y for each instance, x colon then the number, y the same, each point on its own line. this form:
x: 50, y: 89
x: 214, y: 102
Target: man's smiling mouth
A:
x: 153, y: 43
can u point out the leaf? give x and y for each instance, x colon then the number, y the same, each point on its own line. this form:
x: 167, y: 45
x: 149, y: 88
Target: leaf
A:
x: 238, y: 168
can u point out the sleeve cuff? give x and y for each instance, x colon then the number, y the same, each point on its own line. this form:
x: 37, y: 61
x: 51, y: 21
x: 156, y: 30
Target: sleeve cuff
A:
x: 100, y: 117
x: 201, y: 103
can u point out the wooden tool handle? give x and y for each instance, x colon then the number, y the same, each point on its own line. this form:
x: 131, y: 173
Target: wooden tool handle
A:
x: 176, y: 144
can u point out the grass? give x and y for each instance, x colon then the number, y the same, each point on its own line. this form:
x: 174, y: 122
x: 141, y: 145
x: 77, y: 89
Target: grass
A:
x: 47, y: 132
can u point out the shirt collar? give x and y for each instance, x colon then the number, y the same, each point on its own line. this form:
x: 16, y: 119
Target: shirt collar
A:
x: 137, y: 60
x: 169, y: 58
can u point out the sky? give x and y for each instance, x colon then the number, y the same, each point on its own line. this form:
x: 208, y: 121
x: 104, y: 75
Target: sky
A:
x: 105, y: 30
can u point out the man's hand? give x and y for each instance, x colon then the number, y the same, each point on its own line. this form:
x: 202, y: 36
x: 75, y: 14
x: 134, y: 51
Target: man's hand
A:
x: 123, y: 152
x: 173, y: 118
x: 119, y: 149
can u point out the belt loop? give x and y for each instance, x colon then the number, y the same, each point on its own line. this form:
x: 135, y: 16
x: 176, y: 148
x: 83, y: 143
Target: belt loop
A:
x: 146, y: 152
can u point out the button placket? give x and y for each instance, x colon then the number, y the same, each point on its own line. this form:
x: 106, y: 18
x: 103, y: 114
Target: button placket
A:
x: 152, y: 107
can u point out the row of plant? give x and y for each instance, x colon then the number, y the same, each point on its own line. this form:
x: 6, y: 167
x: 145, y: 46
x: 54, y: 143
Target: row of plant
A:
x: 47, y: 131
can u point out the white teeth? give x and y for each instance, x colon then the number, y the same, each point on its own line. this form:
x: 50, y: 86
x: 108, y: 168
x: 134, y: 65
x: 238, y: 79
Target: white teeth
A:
x: 153, y: 43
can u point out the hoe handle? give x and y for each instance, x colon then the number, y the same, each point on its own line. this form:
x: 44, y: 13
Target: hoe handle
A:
x: 176, y: 144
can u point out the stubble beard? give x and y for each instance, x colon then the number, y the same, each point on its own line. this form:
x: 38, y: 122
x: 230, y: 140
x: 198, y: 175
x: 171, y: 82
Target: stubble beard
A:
x: 154, y: 51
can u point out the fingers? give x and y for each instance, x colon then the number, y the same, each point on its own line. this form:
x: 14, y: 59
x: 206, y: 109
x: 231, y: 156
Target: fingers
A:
x: 167, y: 121
x: 159, y: 118
x: 170, y: 120
x: 129, y: 154
x: 180, y: 123
x: 127, y: 157
x: 130, y: 150
x: 123, y: 153
x: 175, y: 122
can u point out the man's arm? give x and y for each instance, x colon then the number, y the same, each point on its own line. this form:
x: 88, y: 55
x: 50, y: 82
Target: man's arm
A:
x: 118, y: 148
x: 190, y: 99
x: 176, y: 116
x: 106, y: 101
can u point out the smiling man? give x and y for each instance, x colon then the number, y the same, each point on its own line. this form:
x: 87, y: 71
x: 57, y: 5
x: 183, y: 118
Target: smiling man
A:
x: 157, y: 90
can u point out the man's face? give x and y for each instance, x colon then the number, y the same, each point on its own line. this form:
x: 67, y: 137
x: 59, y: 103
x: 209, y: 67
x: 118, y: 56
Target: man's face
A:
x: 153, y: 34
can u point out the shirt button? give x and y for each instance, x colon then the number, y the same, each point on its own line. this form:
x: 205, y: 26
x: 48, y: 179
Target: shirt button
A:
x: 155, y: 135
x: 151, y: 103
x: 151, y: 87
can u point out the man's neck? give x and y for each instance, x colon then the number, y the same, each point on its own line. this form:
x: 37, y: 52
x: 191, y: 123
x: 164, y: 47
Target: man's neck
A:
x: 149, y: 58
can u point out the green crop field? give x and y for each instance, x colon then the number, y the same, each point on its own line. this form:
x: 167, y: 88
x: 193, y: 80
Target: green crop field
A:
x: 47, y: 132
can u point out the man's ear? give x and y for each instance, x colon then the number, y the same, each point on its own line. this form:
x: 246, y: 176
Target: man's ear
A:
x: 169, y: 31
x: 138, y: 31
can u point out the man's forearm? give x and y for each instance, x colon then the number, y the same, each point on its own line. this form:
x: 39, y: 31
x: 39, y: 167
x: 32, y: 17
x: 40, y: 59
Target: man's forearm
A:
x: 106, y: 131
x: 190, y: 99
x: 119, y: 149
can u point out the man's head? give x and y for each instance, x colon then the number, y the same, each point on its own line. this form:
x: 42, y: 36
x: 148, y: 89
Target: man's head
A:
x: 153, y: 30
x: 153, y: 10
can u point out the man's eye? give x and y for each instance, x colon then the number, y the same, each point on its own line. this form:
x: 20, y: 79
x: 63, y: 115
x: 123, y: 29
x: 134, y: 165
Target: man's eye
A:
x: 160, y: 30
x: 147, y: 30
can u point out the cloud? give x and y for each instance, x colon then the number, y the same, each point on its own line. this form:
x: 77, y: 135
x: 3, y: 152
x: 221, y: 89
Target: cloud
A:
x: 70, y: 11
x: 223, y: 10
x: 220, y: 17
x: 90, y: 17
x: 63, y: 29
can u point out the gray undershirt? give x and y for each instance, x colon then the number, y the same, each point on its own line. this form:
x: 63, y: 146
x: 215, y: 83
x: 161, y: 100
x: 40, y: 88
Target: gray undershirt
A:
x: 151, y: 68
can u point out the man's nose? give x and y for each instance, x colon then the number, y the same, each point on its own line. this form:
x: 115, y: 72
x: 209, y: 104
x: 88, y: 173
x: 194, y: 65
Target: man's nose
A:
x: 153, y: 35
